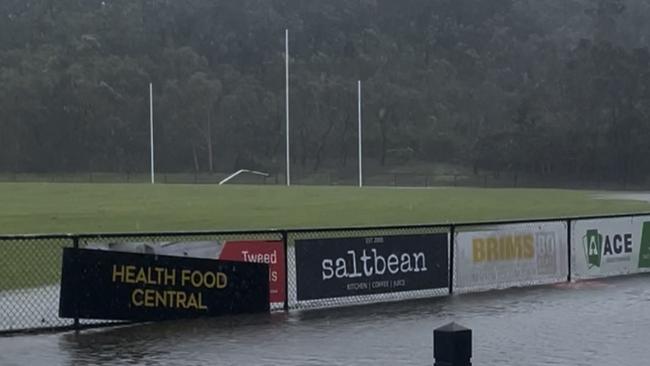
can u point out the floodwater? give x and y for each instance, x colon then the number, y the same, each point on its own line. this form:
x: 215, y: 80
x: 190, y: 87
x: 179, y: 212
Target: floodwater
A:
x: 605, y: 322
x: 630, y: 196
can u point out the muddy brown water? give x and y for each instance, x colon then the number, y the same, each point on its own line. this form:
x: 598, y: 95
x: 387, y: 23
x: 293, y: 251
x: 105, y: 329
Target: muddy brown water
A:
x: 593, y: 323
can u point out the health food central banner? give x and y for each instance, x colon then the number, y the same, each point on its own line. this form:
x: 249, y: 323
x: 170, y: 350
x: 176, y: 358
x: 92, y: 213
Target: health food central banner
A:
x: 270, y: 252
x: 99, y: 284
x: 610, y: 247
x: 339, y: 267
x: 511, y: 255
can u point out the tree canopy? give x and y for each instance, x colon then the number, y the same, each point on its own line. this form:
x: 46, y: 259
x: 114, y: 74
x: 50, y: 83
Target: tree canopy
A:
x: 539, y: 87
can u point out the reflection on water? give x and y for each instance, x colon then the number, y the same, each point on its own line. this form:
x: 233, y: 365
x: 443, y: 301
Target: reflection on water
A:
x: 605, y: 323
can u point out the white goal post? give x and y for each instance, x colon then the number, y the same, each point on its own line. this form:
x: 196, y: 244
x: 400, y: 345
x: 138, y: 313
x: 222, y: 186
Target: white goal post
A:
x: 241, y: 171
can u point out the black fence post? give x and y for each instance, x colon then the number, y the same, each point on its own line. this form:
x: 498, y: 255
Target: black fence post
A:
x: 452, y: 234
x: 568, y: 245
x: 75, y: 244
x: 285, y: 240
x: 452, y: 345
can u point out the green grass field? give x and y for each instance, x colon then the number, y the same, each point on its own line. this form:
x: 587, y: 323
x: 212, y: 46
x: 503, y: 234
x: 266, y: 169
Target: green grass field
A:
x: 82, y: 208
x: 86, y: 208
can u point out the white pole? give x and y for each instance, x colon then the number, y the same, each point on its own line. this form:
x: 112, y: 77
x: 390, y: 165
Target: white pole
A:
x: 360, y: 139
x: 151, y: 129
x: 286, y: 49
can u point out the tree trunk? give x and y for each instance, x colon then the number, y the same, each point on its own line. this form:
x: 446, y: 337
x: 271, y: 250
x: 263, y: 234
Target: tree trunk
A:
x: 304, y: 143
x: 196, y: 158
x: 384, y: 141
x: 321, y: 145
x: 344, y: 147
x: 209, y: 142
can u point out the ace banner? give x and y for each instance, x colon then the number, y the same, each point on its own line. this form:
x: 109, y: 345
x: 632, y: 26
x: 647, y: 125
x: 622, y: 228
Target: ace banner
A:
x: 98, y: 284
x: 610, y: 247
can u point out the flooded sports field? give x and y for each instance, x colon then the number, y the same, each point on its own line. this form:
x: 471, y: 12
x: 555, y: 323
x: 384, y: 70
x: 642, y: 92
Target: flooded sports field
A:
x: 604, y: 322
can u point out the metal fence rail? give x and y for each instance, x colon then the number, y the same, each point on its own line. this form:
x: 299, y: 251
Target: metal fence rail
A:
x: 30, y: 265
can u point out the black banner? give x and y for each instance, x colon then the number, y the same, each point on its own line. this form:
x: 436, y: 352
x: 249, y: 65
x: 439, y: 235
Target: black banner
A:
x: 337, y: 267
x: 98, y: 284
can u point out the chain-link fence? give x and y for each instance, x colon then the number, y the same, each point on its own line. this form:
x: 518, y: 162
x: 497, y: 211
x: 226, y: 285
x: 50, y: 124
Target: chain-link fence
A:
x: 317, y: 268
x: 30, y: 270
x: 30, y: 274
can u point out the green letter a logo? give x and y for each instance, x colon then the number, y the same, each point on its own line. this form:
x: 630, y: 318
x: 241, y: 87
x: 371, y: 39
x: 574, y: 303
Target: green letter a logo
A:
x: 593, y: 245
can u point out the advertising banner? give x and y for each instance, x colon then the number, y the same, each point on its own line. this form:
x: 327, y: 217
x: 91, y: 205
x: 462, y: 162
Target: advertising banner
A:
x: 270, y: 252
x: 99, y: 284
x: 258, y: 251
x: 609, y: 247
x: 338, y: 267
x: 511, y: 255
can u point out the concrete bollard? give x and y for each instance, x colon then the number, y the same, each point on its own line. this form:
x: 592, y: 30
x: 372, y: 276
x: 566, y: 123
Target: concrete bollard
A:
x: 452, y: 345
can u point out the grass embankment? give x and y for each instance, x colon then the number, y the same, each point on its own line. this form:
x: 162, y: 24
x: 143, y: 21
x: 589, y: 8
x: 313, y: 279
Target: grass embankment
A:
x: 82, y: 208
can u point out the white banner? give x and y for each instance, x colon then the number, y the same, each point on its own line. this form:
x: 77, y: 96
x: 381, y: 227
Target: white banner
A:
x: 610, y: 247
x: 511, y: 255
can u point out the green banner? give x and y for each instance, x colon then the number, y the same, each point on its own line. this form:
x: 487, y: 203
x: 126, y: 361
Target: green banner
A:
x: 644, y: 253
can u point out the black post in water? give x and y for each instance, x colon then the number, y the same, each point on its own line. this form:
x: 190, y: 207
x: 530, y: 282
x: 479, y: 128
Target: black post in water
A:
x: 452, y: 345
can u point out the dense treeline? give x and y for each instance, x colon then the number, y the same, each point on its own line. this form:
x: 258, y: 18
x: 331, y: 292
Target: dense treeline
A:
x: 537, y: 87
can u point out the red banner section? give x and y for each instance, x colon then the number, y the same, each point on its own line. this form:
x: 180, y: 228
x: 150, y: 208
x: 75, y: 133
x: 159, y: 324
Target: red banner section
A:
x: 270, y: 252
